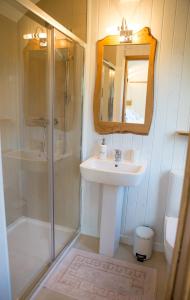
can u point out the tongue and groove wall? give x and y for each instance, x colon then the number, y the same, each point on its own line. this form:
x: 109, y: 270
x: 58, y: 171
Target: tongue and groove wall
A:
x: 169, y: 21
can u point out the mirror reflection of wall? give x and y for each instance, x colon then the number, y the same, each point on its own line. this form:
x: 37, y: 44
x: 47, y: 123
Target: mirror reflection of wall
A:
x: 136, y: 77
x: 124, y: 83
x: 108, y: 78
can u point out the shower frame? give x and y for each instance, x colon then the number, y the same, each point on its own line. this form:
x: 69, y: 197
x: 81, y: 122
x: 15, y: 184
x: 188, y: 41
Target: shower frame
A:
x: 52, y: 25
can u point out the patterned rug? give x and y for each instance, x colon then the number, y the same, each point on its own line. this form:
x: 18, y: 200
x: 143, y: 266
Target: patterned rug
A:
x: 87, y: 276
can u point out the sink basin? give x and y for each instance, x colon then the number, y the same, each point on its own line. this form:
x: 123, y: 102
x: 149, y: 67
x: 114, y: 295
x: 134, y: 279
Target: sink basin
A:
x: 105, y: 172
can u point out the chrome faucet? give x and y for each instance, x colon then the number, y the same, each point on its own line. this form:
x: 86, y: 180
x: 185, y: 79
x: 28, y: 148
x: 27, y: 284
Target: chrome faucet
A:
x: 118, y: 155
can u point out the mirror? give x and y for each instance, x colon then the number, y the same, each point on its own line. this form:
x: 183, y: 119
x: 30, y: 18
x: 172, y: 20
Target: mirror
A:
x: 123, y: 100
x: 124, y: 83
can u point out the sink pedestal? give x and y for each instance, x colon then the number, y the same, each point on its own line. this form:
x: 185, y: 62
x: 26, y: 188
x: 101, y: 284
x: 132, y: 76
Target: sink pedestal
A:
x: 113, y: 180
x: 112, y: 202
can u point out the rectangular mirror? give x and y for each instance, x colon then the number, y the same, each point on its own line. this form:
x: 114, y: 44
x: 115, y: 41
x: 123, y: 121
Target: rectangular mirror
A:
x: 124, y: 83
x: 123, y: 100
x: 135, y: 88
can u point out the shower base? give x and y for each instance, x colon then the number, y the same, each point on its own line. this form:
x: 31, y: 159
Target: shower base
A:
x: 29, y: 249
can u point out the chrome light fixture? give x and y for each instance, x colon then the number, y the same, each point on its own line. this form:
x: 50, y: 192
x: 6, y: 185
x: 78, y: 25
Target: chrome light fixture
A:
x: 125, y: 33
x: 39, y: 35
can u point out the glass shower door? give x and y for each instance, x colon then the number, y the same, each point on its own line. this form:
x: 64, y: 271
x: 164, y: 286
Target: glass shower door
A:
x: 24, y: 123
x: 68, y: 57
x: 40, y: 122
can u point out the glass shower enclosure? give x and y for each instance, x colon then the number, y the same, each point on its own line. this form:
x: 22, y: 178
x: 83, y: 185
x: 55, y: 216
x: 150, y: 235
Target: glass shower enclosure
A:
x: 41, y: 78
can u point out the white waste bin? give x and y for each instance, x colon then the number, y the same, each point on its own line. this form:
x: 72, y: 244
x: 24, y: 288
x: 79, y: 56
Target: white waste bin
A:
x: 143, y: 243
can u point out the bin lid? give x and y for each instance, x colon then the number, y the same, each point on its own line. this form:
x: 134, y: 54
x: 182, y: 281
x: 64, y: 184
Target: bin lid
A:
x: 144, y: 232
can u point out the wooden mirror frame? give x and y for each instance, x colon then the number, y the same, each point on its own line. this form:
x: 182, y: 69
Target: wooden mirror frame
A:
x: 106, y: 127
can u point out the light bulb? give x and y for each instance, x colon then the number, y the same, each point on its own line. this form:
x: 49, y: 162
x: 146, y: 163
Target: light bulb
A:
x: 28, y: 36
x: 42, y: 35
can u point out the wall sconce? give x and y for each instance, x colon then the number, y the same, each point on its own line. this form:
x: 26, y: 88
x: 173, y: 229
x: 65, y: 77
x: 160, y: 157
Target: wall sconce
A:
x: 125, y: 33
x: 38, y: 35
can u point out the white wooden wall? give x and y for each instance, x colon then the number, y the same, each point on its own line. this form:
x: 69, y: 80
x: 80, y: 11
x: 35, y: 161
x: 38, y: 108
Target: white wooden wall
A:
x: 169, y: 21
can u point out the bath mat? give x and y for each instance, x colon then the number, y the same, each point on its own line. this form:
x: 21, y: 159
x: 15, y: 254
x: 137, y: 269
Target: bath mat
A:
x: 87, y: 276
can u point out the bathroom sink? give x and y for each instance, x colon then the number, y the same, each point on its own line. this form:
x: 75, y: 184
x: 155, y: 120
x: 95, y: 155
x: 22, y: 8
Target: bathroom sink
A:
x: 114, y: 177
x: 107, y: 172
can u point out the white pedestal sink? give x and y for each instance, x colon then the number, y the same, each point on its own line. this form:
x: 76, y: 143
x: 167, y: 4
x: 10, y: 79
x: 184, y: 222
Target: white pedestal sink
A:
x: 113, y: 178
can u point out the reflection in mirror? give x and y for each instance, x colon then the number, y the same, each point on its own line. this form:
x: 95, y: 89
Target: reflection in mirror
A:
x: 135, y: 89
x: 108, y: 78
x: 124, y: 83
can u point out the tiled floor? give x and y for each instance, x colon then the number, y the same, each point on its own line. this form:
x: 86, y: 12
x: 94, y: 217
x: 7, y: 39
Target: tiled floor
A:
x: 124, y: 253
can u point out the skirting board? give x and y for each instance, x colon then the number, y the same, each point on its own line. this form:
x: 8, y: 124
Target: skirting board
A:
x: 128, y: 240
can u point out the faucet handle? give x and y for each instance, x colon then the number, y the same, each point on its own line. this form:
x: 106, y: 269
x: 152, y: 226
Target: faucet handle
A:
x: 118, y: 151
x: 118, y: 154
